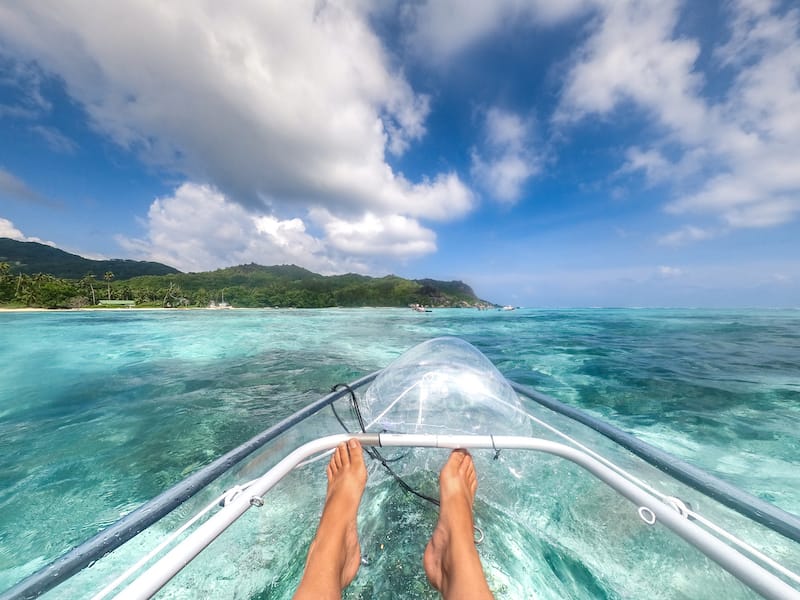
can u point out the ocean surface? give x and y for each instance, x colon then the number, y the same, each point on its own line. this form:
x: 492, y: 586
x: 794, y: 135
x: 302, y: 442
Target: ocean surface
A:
x: 102, y: 410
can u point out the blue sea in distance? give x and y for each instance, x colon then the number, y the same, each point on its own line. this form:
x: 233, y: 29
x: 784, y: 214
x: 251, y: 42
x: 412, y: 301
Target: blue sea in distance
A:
x: 102, y: 410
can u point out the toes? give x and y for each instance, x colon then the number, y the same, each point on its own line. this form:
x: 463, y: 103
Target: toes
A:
x: 355, y: 451
x: 344, y: 454
x: 468, y: 467
x: 347, y: 457
x: 457, y: 458
x: 356, y: 454
x: 466, y: 464
x: 337, y: 459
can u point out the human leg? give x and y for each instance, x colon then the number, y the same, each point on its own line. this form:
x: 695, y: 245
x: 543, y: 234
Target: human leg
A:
x: 335, y: 554
x: 451, y: 559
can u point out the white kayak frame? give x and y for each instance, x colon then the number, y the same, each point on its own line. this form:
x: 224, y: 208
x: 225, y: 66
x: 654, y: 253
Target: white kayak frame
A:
x: 650, y: 508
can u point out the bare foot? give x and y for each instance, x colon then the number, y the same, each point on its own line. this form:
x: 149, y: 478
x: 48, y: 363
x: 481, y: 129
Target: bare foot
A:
x: 451, y: 559
x: 335, y: 554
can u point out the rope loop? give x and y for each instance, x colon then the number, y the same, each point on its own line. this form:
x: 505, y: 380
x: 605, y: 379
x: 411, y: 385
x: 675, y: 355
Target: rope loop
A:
x: 679, y: 505
x: 231, y: 494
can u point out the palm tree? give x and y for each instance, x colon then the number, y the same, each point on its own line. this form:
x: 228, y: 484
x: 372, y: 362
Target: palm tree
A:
x: 88, y: 283
x: 5, y: 281
x: 107, y: 278
x: 171, y: 294
x: 25, y: 292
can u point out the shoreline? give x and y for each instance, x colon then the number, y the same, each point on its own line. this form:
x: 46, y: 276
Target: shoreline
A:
x: 96, y: 309
x: 192, y: 308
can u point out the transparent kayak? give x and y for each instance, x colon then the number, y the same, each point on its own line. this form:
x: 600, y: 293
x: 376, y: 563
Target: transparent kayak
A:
x: 567, y: 507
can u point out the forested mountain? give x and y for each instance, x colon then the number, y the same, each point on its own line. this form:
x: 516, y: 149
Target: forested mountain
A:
x: 65, y: 280
x: 31, y: 258
x: 289, y: 285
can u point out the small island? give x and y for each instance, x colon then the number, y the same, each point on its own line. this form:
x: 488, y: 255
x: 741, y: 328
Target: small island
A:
x: 36, y: 275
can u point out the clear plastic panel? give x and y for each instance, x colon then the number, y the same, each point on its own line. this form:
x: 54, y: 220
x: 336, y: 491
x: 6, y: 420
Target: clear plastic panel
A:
x: 551, y: 530
x: 443, y: 385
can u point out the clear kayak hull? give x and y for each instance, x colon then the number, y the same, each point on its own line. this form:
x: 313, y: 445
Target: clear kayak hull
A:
x: 551, y: 529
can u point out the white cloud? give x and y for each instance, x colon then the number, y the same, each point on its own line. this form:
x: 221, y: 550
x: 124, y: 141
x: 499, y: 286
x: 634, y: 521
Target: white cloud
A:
x: 685, y: 235
x: 15, y: 188
x: 506, y: 161
x: 753, y: 29
x: 443, y: 198
x: 8, y: 230
x: 292, y: 105
x: 442, y: 28
x: 667, y: 271
x: 395, y: 235
x: 199, y: 229
x: 57, y: 141
x: 659, y: 170
x: 744, y: 145
x: 743, y: 283
x: 761, y: 183
x: 20, y: 83
x: 781, y: 278
x: 652, y: 162
x: 770, y: 213
x: 632, y: 56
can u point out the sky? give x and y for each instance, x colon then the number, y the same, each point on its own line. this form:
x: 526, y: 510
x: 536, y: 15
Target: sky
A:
x: 549, y: 154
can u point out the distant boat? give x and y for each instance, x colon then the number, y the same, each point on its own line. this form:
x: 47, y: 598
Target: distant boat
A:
x: 219, y: 305
x: 508, y: 308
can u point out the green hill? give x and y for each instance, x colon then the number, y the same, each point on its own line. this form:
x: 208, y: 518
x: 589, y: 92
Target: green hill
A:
x: 34, y: 274
x: 31, y: 258
x: 289, y: 285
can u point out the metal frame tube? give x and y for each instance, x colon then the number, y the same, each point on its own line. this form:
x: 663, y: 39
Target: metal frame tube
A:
x: 741, y: 567
x: 752, y: 507
x: 152, y: 511
x: 129, y: 526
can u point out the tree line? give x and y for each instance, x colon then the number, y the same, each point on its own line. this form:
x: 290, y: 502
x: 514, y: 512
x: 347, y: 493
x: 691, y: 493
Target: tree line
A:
x: 248, y: 286
x: 43, y: 290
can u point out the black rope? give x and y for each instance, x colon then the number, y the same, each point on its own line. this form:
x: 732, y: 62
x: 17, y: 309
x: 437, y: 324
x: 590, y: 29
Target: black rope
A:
x: 352, y: 401
x: 496, y: 450
x: 377, y: 456
x: 373, y: 452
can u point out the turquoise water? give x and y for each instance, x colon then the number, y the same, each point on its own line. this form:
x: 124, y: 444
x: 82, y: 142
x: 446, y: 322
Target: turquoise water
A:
x: 100, y: 411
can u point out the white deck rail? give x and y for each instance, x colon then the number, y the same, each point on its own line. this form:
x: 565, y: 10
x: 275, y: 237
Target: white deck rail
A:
x: 650, y: 508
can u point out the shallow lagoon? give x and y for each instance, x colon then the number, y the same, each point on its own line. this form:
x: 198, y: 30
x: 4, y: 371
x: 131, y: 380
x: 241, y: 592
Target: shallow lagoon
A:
x: 99, y: 411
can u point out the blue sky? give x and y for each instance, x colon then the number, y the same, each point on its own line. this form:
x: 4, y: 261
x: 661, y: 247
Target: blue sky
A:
x: 572, y: 153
